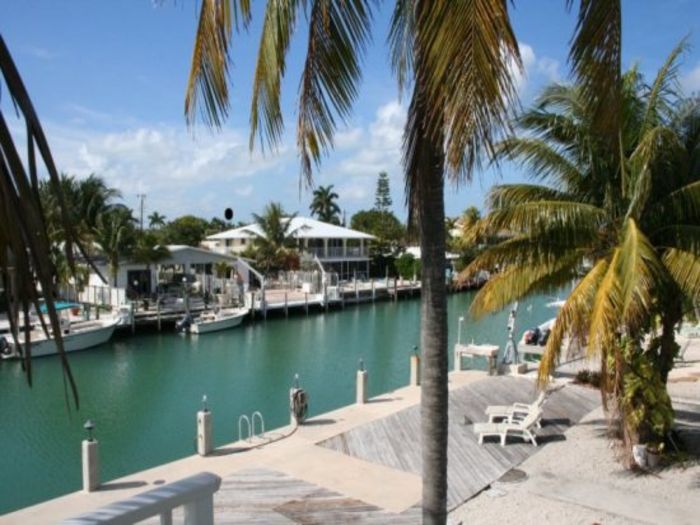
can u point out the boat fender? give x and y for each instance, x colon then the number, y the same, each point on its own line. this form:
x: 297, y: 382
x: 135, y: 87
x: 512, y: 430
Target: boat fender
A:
x: 300, y: 404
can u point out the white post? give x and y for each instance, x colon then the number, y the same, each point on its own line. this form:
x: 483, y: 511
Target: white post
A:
x: 361, y: 386
x: 204, y: 432
x: 415, y: 370
x: 200, y: 511
x: 91, y: 465
x: 459, y: 330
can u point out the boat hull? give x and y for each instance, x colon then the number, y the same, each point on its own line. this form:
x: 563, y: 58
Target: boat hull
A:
x: 205, y: 327
x: 73, y: 342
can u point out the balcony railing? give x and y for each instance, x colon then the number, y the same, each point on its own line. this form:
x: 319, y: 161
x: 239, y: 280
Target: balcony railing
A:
x: 336, y: 251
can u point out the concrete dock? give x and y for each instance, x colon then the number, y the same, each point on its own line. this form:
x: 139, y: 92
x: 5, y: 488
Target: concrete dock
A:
x: 357, y: 463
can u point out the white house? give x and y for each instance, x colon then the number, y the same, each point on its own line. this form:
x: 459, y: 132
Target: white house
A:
x: 339, y: 249
x: 182, y: 260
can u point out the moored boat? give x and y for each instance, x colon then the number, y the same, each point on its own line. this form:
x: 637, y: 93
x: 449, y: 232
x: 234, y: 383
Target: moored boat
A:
x: 222, y: 319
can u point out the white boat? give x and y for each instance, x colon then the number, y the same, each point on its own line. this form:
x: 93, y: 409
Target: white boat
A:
x: 76, y: 335
x: 542, y: 332
x: 222, y: 319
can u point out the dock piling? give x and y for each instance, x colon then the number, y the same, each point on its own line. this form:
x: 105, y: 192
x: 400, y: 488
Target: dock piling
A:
x: 306, y: 302
x: 415, y: 368
x: 204, y: 430
x: 361, y: 385
x: 286, y: 309
x: 90, y: 460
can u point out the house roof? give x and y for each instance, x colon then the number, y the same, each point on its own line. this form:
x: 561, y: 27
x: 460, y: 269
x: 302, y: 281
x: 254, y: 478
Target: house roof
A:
x: 300, y: 228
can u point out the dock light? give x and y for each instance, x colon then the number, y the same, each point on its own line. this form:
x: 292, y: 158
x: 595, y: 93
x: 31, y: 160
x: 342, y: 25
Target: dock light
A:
x: 205, y: 408
x: 459, y: 330
x: 89, y: 426
x: 362, y: 365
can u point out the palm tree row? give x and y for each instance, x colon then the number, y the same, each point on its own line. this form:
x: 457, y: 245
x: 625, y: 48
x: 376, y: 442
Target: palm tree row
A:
x: 457, y: 60
x: 622, y: 222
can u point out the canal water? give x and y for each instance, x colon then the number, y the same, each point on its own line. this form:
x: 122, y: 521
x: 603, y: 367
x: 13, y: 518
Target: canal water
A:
x: 143, y: 391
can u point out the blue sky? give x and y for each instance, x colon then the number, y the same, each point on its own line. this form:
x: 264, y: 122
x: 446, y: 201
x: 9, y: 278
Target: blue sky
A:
x: 108, y: 81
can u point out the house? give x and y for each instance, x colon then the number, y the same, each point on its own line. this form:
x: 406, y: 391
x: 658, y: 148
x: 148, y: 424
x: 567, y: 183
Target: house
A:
x: 196, y: 265
x: 339, y: 249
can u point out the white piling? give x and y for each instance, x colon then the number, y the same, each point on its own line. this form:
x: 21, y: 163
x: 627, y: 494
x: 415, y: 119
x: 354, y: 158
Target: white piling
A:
x: 361, y: 386
x: 204, y: 431
x: 90, y: 460
x: 415, y: 370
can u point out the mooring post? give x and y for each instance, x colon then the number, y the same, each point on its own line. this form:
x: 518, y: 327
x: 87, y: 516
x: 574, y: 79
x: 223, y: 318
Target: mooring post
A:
x: 361, y: 385
x: 415, y: 368
x: 306, y: 302
x: 91, y: 460
x: 373, y: 297
x: 286, y: 310
x: 158, y: 312
x: 133, y: 317
x: 204, y: 432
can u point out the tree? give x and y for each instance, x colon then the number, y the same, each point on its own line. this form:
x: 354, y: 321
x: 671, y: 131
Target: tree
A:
x: 147, y: 249
x: 382, y: 196
x: 384, y: 225
x: 115, y: 233
x: 156, y: 220
x: 408, y: 266
x: 188, y: 230
x: 274, y: 248
x: 623, y: 224
x: 458, y: 59
x: 217, y: 225
x: 323, y: 205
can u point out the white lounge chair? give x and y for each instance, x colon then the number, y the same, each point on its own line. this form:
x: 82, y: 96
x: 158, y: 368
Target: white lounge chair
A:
x: 516, y: 411
x: 524, y: 429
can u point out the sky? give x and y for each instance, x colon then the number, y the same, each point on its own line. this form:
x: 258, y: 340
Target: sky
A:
x: 108, y: 80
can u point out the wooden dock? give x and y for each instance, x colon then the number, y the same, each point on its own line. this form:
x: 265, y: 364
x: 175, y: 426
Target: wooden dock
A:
x: 394, y: 441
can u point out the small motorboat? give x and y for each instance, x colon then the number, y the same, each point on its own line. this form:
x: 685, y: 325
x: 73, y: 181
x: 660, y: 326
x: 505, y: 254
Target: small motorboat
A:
x: 77, y: 334
x: 217, y: 320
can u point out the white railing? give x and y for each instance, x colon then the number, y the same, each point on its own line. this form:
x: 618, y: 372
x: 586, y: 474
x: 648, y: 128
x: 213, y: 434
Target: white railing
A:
x: 195, y: 494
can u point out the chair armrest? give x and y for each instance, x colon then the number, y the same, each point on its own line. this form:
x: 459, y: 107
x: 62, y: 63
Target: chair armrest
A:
x: 521, y: 406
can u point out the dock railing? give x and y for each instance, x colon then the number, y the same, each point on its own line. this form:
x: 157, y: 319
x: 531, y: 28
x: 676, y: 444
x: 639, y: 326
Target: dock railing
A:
x: 194, y: 493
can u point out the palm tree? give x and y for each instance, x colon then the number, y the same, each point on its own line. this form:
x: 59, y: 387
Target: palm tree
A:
x: 115, y: 235
x: 156, y: 220
x: 147, y: 250
x: 323, y: 205
x: 458, y: 59
x: 622, y: 224
x: 274, y: 248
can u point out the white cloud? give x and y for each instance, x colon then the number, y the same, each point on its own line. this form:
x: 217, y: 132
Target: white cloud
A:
x: 691, y: 80
x: 534, y: 66
x: 41, y: 53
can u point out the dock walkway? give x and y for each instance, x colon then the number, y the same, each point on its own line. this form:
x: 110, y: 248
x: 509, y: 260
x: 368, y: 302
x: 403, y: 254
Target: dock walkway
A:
x: 360, y: 463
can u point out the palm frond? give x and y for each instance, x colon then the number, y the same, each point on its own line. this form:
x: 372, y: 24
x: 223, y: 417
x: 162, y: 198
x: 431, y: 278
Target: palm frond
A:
x: 641, y: 275
x: 684, y: 267
x: 685, y: 237
x: 338, y: 35
x: 572, y: 320
x: 541, y: 216
x: 595, y: 56
x: 606, y: 308
x: 680, y: 206
x: 470, y: 55
x: 265, y: 112
x: 509, y: 195
x: 401, y: 41
x: 541, y: 160
x: 515, y: 282
x: 663, y: 90
x: 208, y: 78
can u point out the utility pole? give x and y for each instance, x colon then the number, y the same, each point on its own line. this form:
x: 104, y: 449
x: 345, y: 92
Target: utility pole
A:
x: 142, y: 198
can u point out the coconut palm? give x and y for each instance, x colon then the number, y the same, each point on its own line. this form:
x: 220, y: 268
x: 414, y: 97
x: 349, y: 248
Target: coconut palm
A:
x: 324, y: 205
x: 156, y: 220
x: 147, y: 250
x: 274, y: 248
x: 115, y: 234
x: 457, y: 60
x: 622, y: 224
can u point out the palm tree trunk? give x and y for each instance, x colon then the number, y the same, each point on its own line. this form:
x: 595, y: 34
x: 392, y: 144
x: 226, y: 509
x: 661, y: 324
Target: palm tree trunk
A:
x: 426, y: 185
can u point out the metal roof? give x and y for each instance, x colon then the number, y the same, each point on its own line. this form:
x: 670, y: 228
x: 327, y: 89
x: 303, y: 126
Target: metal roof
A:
x: 300, y: 228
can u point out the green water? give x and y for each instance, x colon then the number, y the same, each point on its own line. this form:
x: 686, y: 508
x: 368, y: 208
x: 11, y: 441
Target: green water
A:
x: 143, y: 391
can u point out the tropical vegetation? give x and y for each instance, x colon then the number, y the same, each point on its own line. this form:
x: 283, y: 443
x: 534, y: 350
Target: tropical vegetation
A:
x: 324, y: 206
x: 275, y: 249
x: 621, y: 220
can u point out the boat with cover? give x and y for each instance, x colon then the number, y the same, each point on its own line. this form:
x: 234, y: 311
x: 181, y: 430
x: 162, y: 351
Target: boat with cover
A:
x: 77, y: 333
